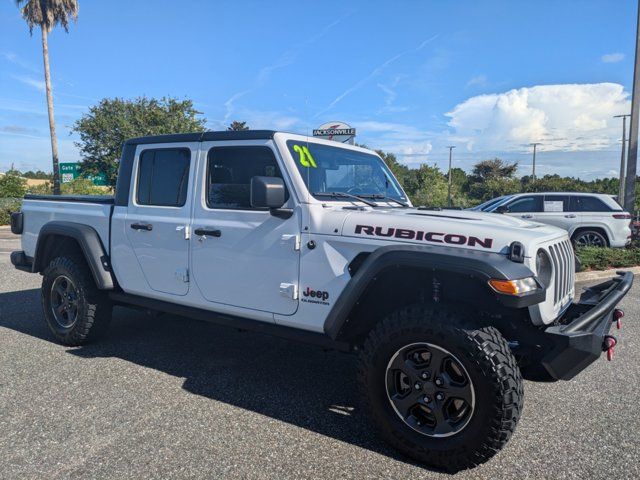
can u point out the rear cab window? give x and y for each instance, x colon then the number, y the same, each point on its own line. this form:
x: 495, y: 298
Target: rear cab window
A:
x: 163, y: 177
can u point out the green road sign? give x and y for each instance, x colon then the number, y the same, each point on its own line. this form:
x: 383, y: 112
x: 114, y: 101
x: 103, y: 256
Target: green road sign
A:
x: 71, y: 171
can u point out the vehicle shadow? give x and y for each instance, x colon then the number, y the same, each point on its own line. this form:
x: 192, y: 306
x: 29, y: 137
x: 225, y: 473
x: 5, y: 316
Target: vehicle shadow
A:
x: 295, y: 383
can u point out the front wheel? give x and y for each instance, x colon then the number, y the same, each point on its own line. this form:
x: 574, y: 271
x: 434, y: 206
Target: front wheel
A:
x: 438, y: 389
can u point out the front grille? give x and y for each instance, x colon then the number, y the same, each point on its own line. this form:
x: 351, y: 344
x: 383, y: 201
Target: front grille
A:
x: 563, y: 261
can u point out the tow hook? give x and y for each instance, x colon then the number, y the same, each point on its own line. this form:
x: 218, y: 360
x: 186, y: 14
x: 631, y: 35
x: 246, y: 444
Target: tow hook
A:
x: 617, y: 317
x: 608, y: 345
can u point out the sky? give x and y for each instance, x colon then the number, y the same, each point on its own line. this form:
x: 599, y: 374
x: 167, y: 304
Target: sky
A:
x: 413, y: 77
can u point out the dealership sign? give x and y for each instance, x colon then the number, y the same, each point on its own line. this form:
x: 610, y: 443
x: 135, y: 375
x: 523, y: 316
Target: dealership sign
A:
x: 336, y: 131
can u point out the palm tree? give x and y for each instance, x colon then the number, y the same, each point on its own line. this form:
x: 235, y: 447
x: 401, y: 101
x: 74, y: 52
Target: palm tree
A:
x: 46, y: 14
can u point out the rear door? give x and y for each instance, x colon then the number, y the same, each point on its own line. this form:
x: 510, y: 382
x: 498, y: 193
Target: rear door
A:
x: 242, y: 256
x: 159, y: 214
x: 557, y: 212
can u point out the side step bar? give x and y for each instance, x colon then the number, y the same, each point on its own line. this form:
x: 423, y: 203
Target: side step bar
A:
x: 314, y: 338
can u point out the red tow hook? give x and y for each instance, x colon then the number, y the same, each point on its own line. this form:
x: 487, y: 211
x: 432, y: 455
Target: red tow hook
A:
x: 608, y: 345
x: 617, y: 317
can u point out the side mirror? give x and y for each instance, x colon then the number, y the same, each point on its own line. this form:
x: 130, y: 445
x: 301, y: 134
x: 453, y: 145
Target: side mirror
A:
x: 502, y: 209
x: 267, y: 192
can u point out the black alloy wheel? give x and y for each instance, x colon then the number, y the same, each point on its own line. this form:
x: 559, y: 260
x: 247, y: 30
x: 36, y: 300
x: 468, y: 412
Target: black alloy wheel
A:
x: 430, y: 390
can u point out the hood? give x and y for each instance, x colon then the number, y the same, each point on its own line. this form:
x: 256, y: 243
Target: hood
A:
x: 453, y: 228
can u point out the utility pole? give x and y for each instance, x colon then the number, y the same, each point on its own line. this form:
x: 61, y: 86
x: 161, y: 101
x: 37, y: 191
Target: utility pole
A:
x: 632, y: 157
x: 449, y: 189
x: 622, y: 163
x: 533, y: 172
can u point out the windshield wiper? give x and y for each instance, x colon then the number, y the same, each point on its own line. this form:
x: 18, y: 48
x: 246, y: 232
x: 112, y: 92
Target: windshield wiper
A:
x: 379, y: 196
x: 345, y: 195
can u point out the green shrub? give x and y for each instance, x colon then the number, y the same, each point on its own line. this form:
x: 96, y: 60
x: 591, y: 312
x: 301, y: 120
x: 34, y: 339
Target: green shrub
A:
x: 81, y: 186
x: 8, y: 205
x: 596, y: 258
x: 12, y: 185
x: 42, y: 189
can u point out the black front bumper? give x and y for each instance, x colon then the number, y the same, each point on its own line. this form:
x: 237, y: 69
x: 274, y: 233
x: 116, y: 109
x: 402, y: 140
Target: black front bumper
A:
x: 577, y: 339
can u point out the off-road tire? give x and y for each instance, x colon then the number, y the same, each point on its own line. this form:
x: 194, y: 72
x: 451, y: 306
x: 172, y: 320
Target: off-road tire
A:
x: 485, y: 355
x: 93, y: 306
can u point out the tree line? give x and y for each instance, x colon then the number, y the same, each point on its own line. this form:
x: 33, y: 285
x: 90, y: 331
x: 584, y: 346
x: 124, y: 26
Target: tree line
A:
x: 105, y: 127
x: 427, y: 185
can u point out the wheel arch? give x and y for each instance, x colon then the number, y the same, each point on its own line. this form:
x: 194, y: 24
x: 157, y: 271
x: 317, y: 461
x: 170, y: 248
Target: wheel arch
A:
x: 603, y: 229
x: 394, y: 276
x: 60, y: 237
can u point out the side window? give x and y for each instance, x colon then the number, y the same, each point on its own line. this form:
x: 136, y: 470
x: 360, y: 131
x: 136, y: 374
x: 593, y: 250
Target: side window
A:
x: 556, y: 203
x: 163, y: 177
x: 583, y: 203
x: 229, y: 174
x: 526, y: 204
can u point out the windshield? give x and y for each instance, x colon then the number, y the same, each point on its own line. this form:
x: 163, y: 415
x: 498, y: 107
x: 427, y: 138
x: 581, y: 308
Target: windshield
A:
x: 489, y: 203
x: 331, y: 170
x: 493, y: 206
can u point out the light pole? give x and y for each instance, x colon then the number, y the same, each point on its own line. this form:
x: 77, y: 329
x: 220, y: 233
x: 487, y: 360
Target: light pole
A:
x: 632, y: 157
x: 449, y: 188
x: 533, y: 174
x: 624, y: 140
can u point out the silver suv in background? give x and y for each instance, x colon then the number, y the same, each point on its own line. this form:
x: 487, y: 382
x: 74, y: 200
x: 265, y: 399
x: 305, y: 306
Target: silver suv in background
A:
x: 592, y: 219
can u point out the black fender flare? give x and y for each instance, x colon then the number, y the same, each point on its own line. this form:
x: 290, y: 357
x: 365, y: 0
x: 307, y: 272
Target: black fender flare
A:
x: 90, y: 244
x: 482, y: 266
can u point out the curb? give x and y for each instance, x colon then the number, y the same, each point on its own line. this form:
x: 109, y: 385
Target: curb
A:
x: 604, y: 274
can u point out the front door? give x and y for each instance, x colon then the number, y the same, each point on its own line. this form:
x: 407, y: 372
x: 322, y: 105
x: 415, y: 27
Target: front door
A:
x: 526, y: 207
x: 159, y: 214
x: 241, y: 256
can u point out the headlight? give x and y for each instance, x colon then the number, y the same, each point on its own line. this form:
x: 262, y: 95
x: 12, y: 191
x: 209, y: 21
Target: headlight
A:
x: 514, y: 287
x: 544, y: 268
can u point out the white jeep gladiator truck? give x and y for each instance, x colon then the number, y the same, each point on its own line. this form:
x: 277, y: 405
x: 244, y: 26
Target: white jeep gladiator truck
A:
x: 316, y: 241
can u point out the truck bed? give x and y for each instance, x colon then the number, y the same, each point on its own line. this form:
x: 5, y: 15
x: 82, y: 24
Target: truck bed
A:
x: 92, y: 210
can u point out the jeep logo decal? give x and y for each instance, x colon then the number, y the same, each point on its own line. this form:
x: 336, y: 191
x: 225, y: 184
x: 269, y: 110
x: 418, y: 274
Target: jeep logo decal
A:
x: 315, y: 296
x: 433, y: 237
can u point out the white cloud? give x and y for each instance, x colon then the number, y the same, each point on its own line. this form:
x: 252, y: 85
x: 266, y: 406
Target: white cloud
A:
x: 478, y: 80
x: 571, y: 117
x: 16, y: 60
x: 32, y: 82
x: 287, y: 58
x: 411, y: 145
x: 375, y: 72
x: 612, y: 57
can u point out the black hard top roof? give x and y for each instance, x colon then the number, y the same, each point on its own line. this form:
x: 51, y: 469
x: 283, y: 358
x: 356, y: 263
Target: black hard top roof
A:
x: 204, y: 136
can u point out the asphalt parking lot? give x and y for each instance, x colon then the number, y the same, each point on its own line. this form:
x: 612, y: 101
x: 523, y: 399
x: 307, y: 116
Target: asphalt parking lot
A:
x: 168, y: 397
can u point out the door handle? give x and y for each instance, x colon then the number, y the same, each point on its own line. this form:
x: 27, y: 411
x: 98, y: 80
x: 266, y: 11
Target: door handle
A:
x: 142, y: 226
x: 208, y: 233
x: 570, y: 216
x: 526, y: 216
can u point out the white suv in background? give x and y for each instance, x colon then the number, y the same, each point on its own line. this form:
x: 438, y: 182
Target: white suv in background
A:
x: 592, y: 219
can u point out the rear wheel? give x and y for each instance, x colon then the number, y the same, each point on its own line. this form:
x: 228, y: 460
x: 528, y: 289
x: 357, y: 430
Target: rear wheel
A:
x: 589, y: 238
x: 439, y: 389
x: 75, y: 310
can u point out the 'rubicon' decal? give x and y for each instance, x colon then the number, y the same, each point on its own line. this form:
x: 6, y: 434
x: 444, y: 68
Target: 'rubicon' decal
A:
x: 433, y: 237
